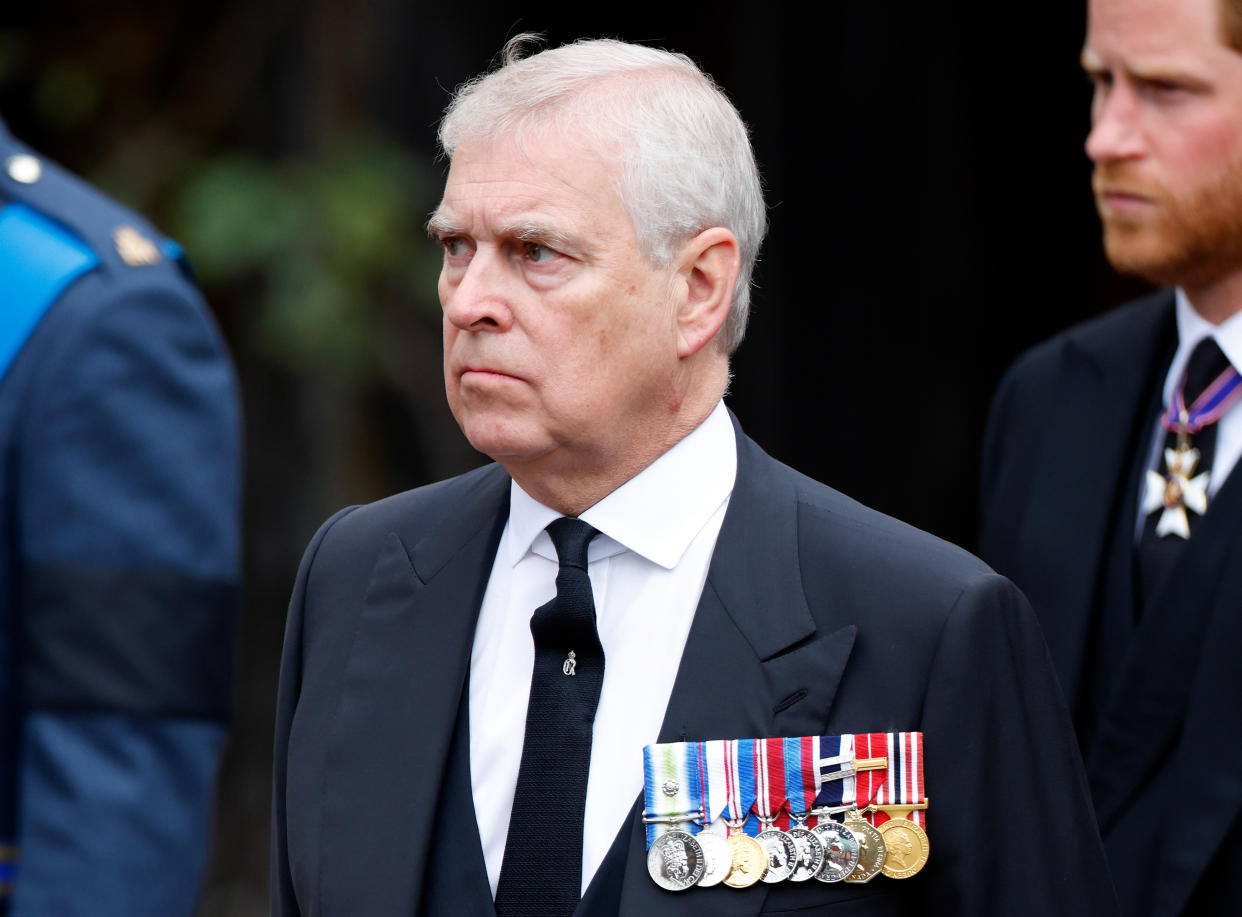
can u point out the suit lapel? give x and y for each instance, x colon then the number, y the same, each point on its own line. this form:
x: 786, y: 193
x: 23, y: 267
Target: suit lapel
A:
x: 754, y: 664
x: 1100, y: 405
x: 399, y: 699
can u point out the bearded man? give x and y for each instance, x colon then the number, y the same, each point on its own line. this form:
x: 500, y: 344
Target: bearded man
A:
x: 1107, y: 488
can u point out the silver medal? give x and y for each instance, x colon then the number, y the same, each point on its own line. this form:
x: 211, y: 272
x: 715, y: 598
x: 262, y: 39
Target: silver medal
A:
x: 840, y: 850
x: 719, y: 858
x: 781, y: 853
x: 676, y: 861
x: 810, y: 856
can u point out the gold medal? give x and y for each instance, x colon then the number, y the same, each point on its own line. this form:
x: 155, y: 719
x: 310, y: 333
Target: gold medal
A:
x: 871, y: 850
x: 749, y: 860
x: 907, y: 847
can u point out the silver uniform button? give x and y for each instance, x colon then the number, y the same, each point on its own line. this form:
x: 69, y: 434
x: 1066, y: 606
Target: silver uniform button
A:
x: 24, y: 168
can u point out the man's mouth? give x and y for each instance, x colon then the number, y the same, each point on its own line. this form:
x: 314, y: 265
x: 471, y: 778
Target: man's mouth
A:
x: 1122, y: 200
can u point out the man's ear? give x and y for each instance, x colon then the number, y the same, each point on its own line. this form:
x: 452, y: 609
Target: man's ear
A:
x: 708, y: 266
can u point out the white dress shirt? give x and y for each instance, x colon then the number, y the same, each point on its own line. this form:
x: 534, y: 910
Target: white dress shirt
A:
x: 647, y: 568
x: 1191, y: 329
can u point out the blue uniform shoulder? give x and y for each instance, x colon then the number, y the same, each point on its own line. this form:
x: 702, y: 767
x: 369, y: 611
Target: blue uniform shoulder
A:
x: 124, y: 242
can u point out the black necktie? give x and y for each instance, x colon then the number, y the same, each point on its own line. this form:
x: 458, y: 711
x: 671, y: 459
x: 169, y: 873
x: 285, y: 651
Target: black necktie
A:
x: 541, y: 874
x: 1158, y: 554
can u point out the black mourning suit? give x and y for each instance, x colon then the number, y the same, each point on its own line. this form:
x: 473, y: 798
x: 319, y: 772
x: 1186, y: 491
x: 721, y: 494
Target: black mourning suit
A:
x: 818, y: 617
x: 1155, y: 696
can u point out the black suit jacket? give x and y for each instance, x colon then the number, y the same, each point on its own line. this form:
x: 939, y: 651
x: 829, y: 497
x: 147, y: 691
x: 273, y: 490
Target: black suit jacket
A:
x: 1070, y: 426
x: 818, y: 617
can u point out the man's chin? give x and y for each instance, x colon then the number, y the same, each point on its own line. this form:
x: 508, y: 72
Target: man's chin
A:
x: 506, y: 445
x: 1145, y: 254
x: 1162, y: 264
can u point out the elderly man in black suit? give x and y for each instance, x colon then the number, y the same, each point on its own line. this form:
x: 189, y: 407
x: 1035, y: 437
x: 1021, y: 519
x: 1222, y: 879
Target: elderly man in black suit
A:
x: 1109, y: 491
x: 472, y: 669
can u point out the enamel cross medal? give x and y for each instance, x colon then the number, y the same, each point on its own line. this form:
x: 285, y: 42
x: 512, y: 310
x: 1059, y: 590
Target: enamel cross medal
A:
x: 1177, y: 490
x: 1180, y: 487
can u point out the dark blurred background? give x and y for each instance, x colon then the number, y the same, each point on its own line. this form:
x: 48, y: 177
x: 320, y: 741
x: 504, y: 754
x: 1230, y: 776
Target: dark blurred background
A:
x: 930, y: 210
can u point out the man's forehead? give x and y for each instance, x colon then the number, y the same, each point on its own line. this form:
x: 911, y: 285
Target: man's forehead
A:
x: 516, y: 184
x: 1155, y: 33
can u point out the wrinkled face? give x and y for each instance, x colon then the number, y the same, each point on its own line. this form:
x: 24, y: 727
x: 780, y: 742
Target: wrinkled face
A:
x: 559, y: 336
x: 1166, y: 138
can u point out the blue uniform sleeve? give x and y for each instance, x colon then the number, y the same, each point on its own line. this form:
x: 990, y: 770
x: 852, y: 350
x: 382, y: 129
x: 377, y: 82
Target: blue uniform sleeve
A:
x: 127, y: 514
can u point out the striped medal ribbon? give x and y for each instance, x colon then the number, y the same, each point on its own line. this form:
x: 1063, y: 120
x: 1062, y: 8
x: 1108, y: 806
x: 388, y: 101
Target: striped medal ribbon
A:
x: 900, y: 783
x: 740, y: 759
x: 672, y: 787
x: 801, y: 776
x: 904, y: 783
x: 770, y: 799
x: 903, y: 806
x: 836, y: 772
x: 871, y: 766
x: 747, y: 859
x: 801, y: 784
x: 713, y: 782
x: 1209, y: 407
x: 870, y: 775
x: 770, y: 795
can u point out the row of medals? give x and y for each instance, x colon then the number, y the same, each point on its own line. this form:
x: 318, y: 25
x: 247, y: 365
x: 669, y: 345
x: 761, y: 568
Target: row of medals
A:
x: 853, y: 851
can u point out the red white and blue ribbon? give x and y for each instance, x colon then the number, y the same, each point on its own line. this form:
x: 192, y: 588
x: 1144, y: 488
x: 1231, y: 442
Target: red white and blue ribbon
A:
x: 1208, y: 408
x: 714, y: 779
x: 740, y: 784
x: 755, y: 782
x: 869, y: 784
x: 902, y: 782
x: 836, y: 772
x: 770, y: 793
x: 905, y: 773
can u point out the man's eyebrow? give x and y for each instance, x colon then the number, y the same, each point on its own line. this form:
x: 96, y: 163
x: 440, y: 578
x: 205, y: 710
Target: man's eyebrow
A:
x: 540, y: 234
x: 440, y: 225
x: 1153, y: 70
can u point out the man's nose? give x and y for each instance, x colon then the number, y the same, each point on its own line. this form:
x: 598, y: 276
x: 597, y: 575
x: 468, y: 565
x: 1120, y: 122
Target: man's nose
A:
x: 478, y: 298
x: 1116, y: 125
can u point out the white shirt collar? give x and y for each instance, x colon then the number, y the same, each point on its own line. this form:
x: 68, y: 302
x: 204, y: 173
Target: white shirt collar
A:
x: 1191, y: 329
x: 656, y: 513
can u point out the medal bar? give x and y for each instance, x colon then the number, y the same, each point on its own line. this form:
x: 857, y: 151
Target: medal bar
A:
x: 677, y: 819
x: 707, y: 800
x: 896, y: 807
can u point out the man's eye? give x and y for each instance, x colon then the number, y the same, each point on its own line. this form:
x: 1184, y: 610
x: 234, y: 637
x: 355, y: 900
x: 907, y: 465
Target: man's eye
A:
x: 1101, y: 80
x: 1165, y: 88
x: 453, y: 246
x: 539, y: 253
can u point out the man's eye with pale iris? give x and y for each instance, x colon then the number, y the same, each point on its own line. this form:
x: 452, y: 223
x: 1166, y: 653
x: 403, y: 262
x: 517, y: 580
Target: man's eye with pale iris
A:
x: 453, y: 246
x: 539, y: 253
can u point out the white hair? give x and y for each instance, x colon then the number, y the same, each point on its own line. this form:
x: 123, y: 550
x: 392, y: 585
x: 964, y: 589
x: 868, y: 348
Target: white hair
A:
x: 685, y: 159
